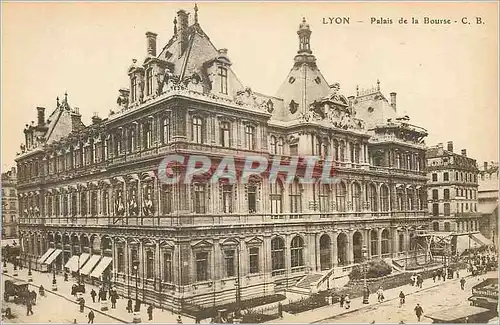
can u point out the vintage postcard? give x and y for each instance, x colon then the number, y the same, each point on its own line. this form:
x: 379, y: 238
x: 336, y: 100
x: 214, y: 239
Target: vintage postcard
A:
x: 250, y: 162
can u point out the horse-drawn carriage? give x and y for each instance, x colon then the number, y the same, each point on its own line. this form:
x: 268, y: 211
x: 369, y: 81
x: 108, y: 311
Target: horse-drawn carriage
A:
x: 16, y: 289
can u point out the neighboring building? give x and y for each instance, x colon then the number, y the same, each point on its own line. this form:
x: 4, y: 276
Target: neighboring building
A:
x: 95, y: 189
x: 9, y: 205
x: 452, y: 190
x: 488, y: 200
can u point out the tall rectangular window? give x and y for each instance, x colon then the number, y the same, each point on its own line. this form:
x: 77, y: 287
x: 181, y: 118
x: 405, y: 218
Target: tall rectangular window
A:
x: 197, y: 133
x: 254, y: 260
x: 202, y: 266
x: 229, y: 261
x: 93, y: 203
x: 227, y: 198
x: 120, y: 260
x: 252, y: 199
x: 446, y: 209
x: 250, y: 137
x: 435, y: 194
x: 199, y: 198
x: 167, y: 267
x: 166, y: 199
x: 150, y: 264
x: 225, y: 134
x: 148, y: 135
x: 165, y: 135
x: 275, y: 196
x: 434, y: 177
x: 324, y: 197
x: 223, y: 80
x: 446, y: 177
x: 446, y: 194
x: 435, y: 209
x: 149, y: 82
x: 280, y: 146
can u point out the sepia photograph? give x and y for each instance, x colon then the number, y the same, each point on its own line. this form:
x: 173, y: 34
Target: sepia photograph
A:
x: 250, y: 162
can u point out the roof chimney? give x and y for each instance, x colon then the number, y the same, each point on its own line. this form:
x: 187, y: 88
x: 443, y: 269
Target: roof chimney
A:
x: 151, y: 43
x: 182, y: 20
x: 450, y: 146
x: 485, y: 165
x: 393, y: 100
x: 41, y: 116
x: 464, y: 152
x: 440, y: 146
x: 96, y: 119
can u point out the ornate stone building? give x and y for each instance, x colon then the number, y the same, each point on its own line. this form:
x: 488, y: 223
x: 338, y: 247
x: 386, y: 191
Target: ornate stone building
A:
x: 9, y: 205
x: 95, y: 189
x: 488, y: 200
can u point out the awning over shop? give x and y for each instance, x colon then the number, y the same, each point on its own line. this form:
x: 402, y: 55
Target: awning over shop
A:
x: 87, y: 268
x: 481, y: 240
x: 103, y: 264
x: 464, y: 242
x: 72, y: 264
x: 52, y: 257
x: 44, y: 256
x: 84, y: 257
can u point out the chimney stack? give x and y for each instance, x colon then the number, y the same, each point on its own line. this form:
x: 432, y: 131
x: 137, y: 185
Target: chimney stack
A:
x: 464, y: 152
x: 182, y: 20
x: 151, y: 43
x: 440, y: 146
x: 450, y: 146
x: 485, y: 165
x: 393, y: 100
x: 41, y: 116
x: 96, y: 119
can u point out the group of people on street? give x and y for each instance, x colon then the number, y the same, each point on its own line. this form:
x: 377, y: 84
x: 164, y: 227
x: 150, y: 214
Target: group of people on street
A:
x: 482, y: 263
x: 417, y: 280
x: 345, y: 301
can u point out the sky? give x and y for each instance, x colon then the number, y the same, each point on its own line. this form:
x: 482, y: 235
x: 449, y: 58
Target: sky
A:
x: 445, y: 75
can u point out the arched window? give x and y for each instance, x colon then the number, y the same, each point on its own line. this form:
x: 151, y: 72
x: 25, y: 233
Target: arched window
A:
x: 401, y: 201
x: 297, y: 252
x: 357, y: 153
x: 131, y: 139
x: 351, y: 151
x: 435, y: 226
x: 409, y: 199
x: 356, y: 197
x: 384, y: 198
x: 295, y: 197
x: 340, y: 196
x: 317, y: 147
x: 273, y: 145
x: 277, y: 253
x: 373, y: 243
x: 148, y: 132
x: 276, y: 198
x: 324, y: 197
x: 398, y: 161
x: 342, y: 151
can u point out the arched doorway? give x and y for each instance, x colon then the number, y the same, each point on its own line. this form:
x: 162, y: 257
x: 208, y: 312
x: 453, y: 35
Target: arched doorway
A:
x: 342, y: 249
x: 357, y: 246
x: 325, y: 245
x: 85, y: 242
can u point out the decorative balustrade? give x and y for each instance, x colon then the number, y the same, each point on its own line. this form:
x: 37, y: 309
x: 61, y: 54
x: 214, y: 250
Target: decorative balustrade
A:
x: 195, y: 220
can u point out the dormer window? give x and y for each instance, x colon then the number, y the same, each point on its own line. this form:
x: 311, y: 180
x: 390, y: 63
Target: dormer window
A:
x: 149, y: 82
x: 223, y: 80
x: 133, y: 89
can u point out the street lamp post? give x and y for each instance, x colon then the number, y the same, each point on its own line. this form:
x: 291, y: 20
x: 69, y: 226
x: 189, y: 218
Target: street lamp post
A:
x: 54, y: 281
x: 366, y: 292
x: 5, y: 265
x: 137, y: 308
x: 30, y: 276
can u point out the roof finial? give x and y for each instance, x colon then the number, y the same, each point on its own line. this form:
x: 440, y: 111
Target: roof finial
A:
x: 195, y: 13
x: 357, y: 90
x: 175, y: 26
x: 66, y: 96
x: 57, y: 100
x: 378, y: 84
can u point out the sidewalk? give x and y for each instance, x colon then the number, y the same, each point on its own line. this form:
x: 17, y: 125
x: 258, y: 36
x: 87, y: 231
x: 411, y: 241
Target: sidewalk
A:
x: 323, y: 313
x: 120, y: 314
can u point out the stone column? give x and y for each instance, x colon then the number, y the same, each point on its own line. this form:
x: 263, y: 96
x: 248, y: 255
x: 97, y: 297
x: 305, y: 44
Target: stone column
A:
x: 394, y: 245
x: 379, y: 242
x: 318, y: 252
x: 335, y: 256
x: 265, y: 256
x: 350, y: 252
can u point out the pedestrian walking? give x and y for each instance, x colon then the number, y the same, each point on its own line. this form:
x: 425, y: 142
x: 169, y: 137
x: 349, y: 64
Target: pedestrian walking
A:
x: 82, y: 304
x: 113, y: 301
x: 29, y: 307
x: 93, y: 294
x: 401, y: 298
x: 66, y: 276
x: 91, y: 317
x: 347, y: 302
x: 129, y: 305
x: 99, y: 295
x: 73, y: 289
x: 462, y: 283
x: 41, y: 291
x: 434, y: 276
x: 342, y: 299
x: 150, y: 312
x: 179, y: 319
x: 419, y: 311
x: 380, y: 294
